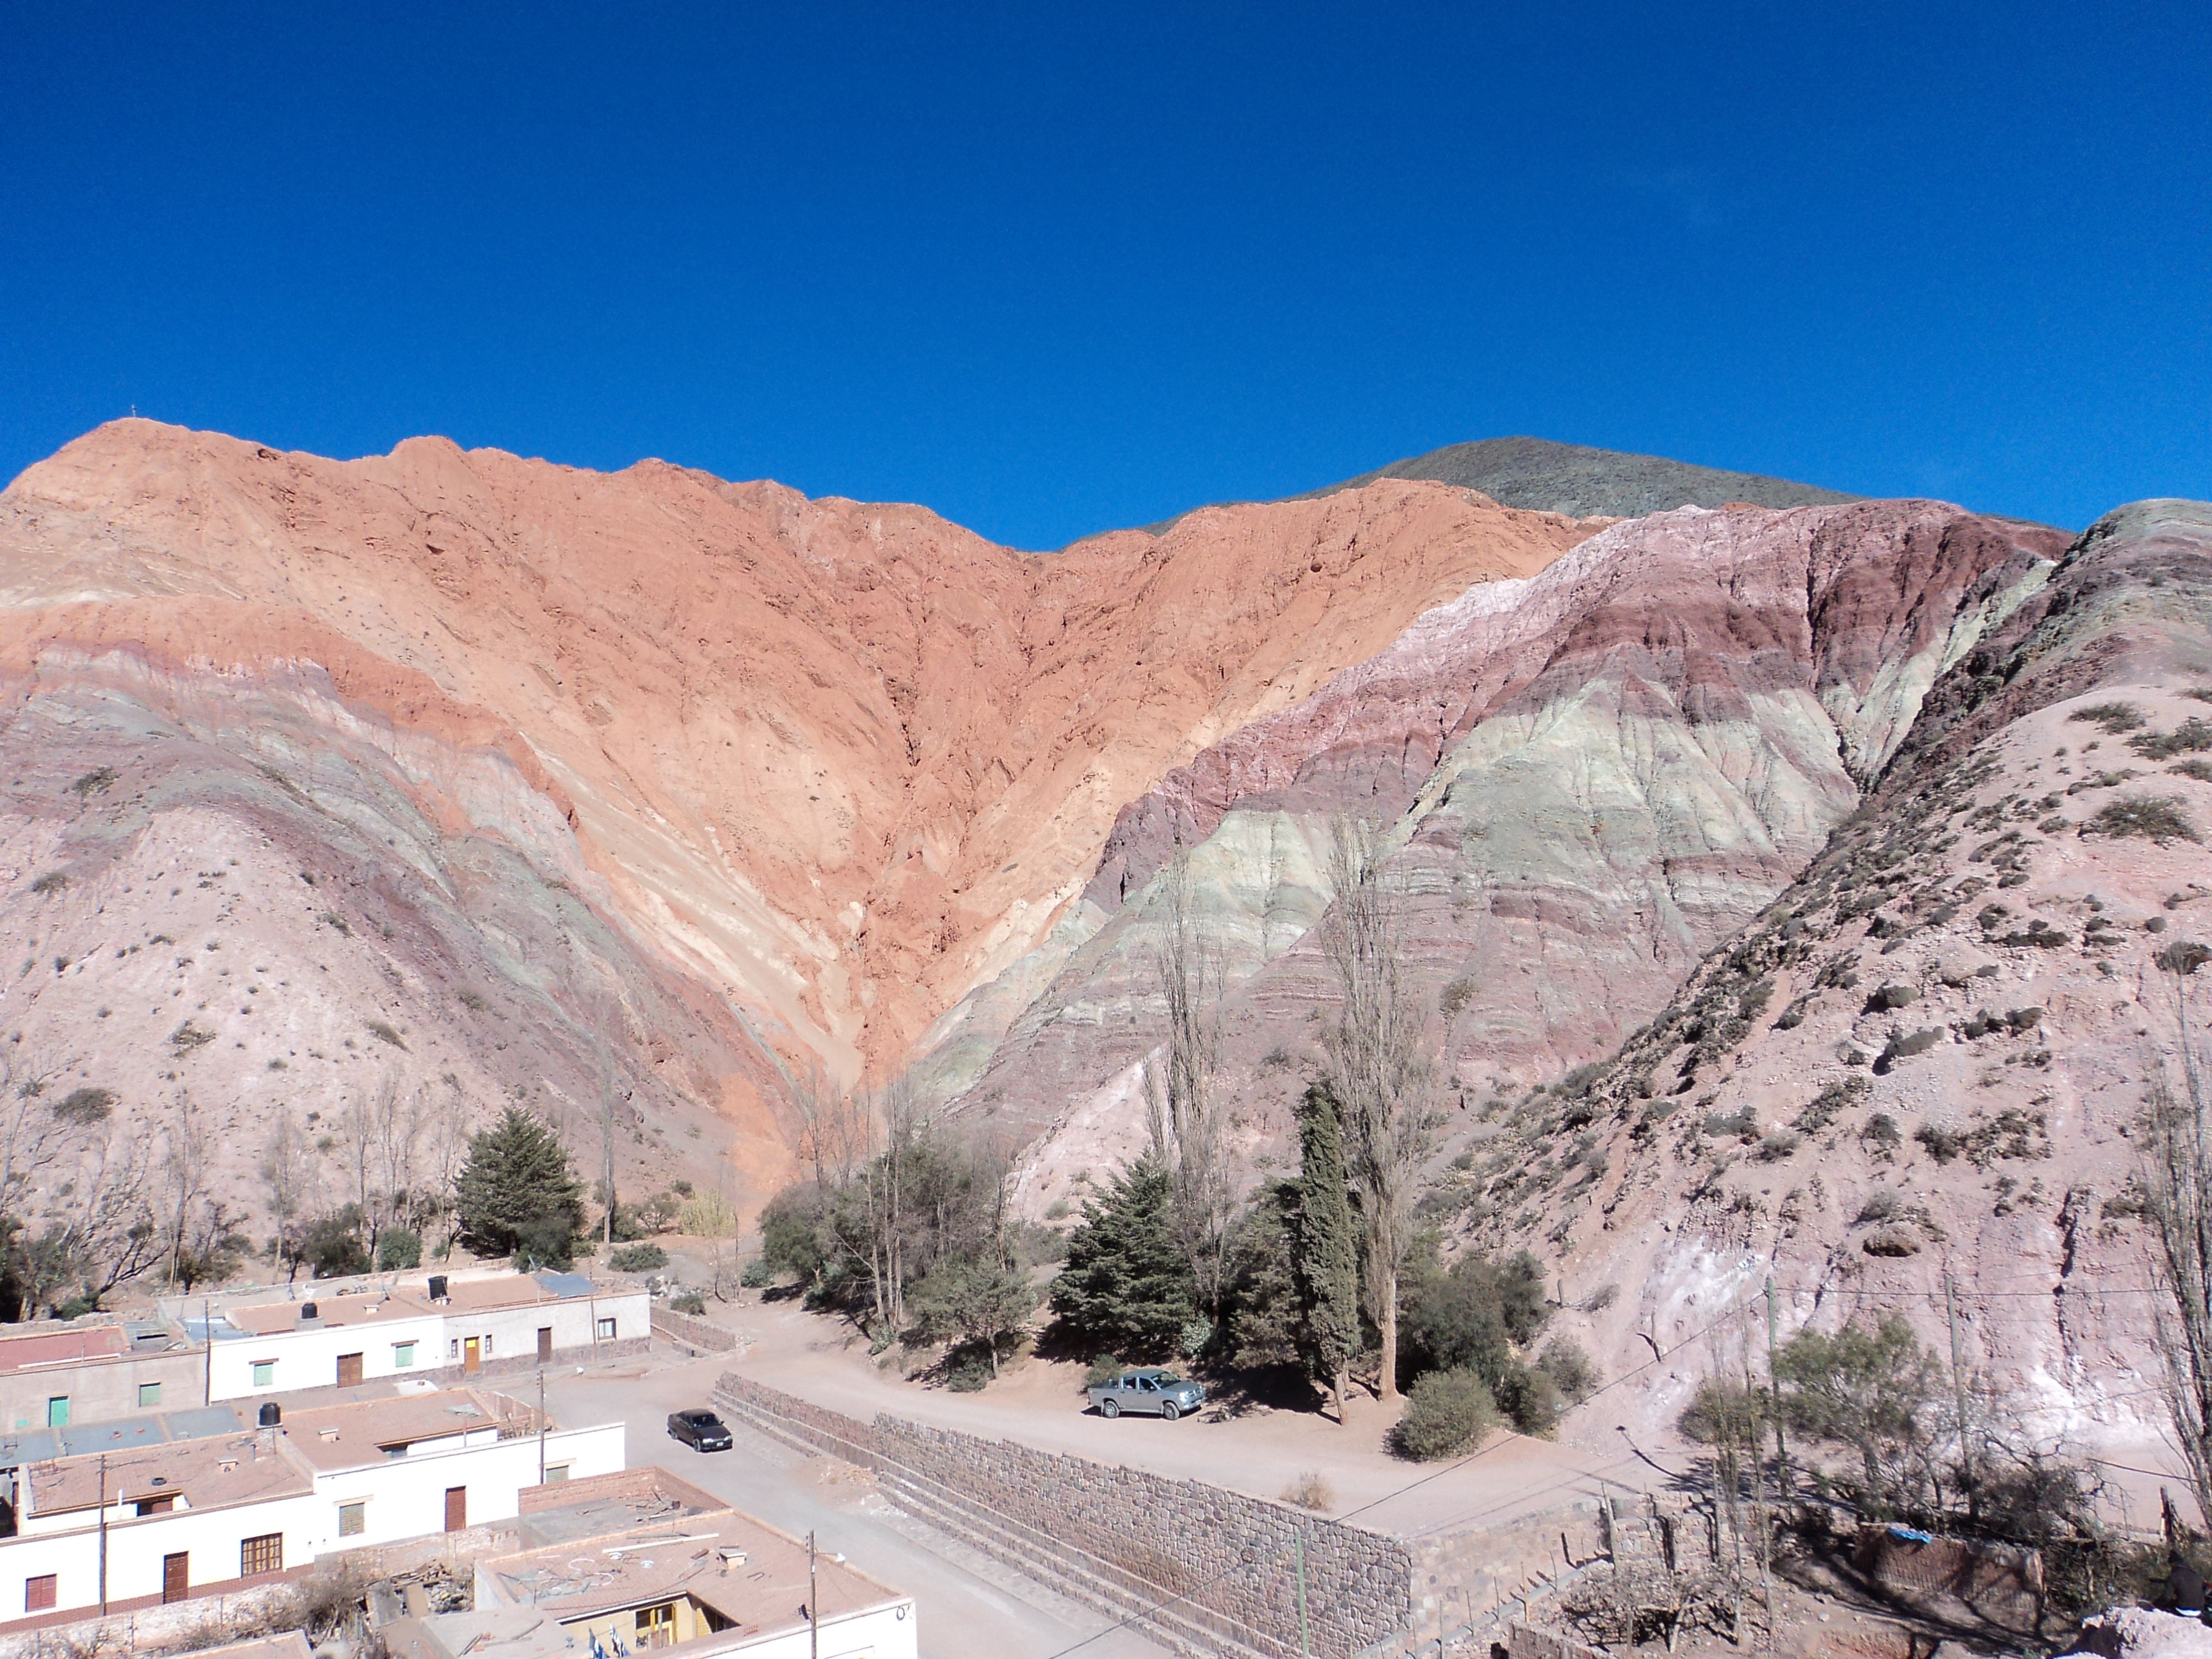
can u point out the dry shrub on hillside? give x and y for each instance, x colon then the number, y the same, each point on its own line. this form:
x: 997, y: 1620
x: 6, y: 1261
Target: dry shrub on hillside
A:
x: 2110, y: 718
x: 2158, y: 818
x: 2192, y: 735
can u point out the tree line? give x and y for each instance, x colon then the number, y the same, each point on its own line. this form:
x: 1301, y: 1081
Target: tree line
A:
x: 389, y: 1178
x: 904, y: 1224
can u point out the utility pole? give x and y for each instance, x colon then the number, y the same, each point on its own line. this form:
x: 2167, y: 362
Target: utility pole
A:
x: 541, y: 1425
x: 103, y: 1534
x: 207, y: 1332
x: 813, y: 1605
x: 1305, y: 1636
x: 1958, y: 1374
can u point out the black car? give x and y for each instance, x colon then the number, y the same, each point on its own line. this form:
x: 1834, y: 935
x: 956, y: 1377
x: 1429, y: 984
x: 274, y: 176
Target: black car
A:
x: 700, y: 1430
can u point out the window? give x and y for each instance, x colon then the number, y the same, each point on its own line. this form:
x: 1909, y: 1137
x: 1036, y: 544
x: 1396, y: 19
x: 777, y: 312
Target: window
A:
x: 262, y: 1553
x: 39, y: 1593
x: 656, y: 1625
x: 606, y: 1330
x: 556, y: 1472
x: 58, y: 1411
x: 487, y: 1344
x: 161, y: 1505
x: 403, y: 1355
x: 149, y: 1394
x: 353, y: 1520
x: 453, y: 1349
x: 265, y: 1373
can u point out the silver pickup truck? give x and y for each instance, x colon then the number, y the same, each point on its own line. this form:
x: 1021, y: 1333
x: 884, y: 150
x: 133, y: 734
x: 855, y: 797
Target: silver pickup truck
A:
x: 1158, y: 1393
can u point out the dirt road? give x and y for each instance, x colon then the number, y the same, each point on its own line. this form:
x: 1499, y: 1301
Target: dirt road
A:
x: 967, y: 1604
x: 1261, y: 1452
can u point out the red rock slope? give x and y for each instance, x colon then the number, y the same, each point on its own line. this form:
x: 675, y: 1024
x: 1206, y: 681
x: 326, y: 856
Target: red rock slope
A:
x: 809, y: 770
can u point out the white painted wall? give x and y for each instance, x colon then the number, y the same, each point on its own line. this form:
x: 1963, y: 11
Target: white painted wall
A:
x: 514, y: 1331
x: 309, y: 1358
x: 406, y: 1497
x: 136, y: 1546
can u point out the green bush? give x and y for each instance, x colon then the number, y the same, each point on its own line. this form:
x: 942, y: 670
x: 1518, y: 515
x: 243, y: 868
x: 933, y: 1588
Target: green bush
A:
x: 1530, y: 1399
x: 1447, y: 1413
x: 1568, y: 1366
x: 968, y: 1367
x: 546, y: 1245
x: 331, y: 1246
x: 688, y: 1301
x: 397, y: 1250
x: 1104, y: 1368
x: 756, y: 1274
x: 636, y: 1258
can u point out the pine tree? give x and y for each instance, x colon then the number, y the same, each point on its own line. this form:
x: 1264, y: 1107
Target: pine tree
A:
x: 1328, y: 1254
x: 518, y: 1195
x: 1126, y: 1288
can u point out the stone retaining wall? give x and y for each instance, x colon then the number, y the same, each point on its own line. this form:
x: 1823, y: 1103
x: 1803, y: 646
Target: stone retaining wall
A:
x: 692, y: 1332
x: 1217, y: 1552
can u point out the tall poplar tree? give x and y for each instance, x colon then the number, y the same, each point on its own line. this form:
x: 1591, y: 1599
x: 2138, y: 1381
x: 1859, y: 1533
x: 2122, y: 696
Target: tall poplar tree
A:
x: 1328, y: 1254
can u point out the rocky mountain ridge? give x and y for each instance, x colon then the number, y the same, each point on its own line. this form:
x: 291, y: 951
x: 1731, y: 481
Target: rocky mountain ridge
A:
x: 1790, y: 884
x: 717, y: 783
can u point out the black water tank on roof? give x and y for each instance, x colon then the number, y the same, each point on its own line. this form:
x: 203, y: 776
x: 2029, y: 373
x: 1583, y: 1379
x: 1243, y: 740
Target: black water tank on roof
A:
x: 271, y: 1413
x: 437, y: 1287
x: 308, y: 1310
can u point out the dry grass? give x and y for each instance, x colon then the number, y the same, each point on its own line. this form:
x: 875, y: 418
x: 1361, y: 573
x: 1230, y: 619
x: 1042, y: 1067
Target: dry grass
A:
x: 1311, y: 1492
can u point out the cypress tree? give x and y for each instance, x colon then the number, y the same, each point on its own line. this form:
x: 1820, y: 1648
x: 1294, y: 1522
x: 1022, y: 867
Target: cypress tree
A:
x: 517, y: 1194
x: 1328, y: 1253
x: 1126, y: 1289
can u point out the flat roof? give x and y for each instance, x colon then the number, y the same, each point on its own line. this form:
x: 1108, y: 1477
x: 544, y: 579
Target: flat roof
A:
x: 569, y: 1511
x: 84, y: 1439
x: 410, y: 1299
x: 76, y: 1347
x: 745, y: 1570
x: 237, y: 1468
x: 348, y: 1435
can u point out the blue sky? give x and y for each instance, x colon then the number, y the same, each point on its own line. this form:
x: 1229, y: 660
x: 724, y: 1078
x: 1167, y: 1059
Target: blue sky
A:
x: 1054, y: 269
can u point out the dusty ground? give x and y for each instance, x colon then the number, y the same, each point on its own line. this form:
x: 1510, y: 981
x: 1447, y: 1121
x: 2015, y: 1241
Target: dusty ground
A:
x: 967, y: 1603
x: 1261, y: 1450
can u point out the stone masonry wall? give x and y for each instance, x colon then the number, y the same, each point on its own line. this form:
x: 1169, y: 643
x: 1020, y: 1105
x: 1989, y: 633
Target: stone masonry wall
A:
x: 1229, y: 1556
x: 692, y: 1332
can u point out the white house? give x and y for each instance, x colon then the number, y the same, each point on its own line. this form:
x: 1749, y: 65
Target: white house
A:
x: 164, y: 1521
x: 713, y: 1583
x: 450, y: 1326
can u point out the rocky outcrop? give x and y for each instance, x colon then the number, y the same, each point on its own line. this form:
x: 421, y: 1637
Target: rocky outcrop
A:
x: 1920, y: 1067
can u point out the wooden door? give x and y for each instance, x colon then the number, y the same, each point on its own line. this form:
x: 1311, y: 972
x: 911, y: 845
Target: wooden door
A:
x: 457, y: 1509
x: 176, y: 1575
x: 471, y: 1355
x: 348, y: 1370
x: 544, y: 1343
